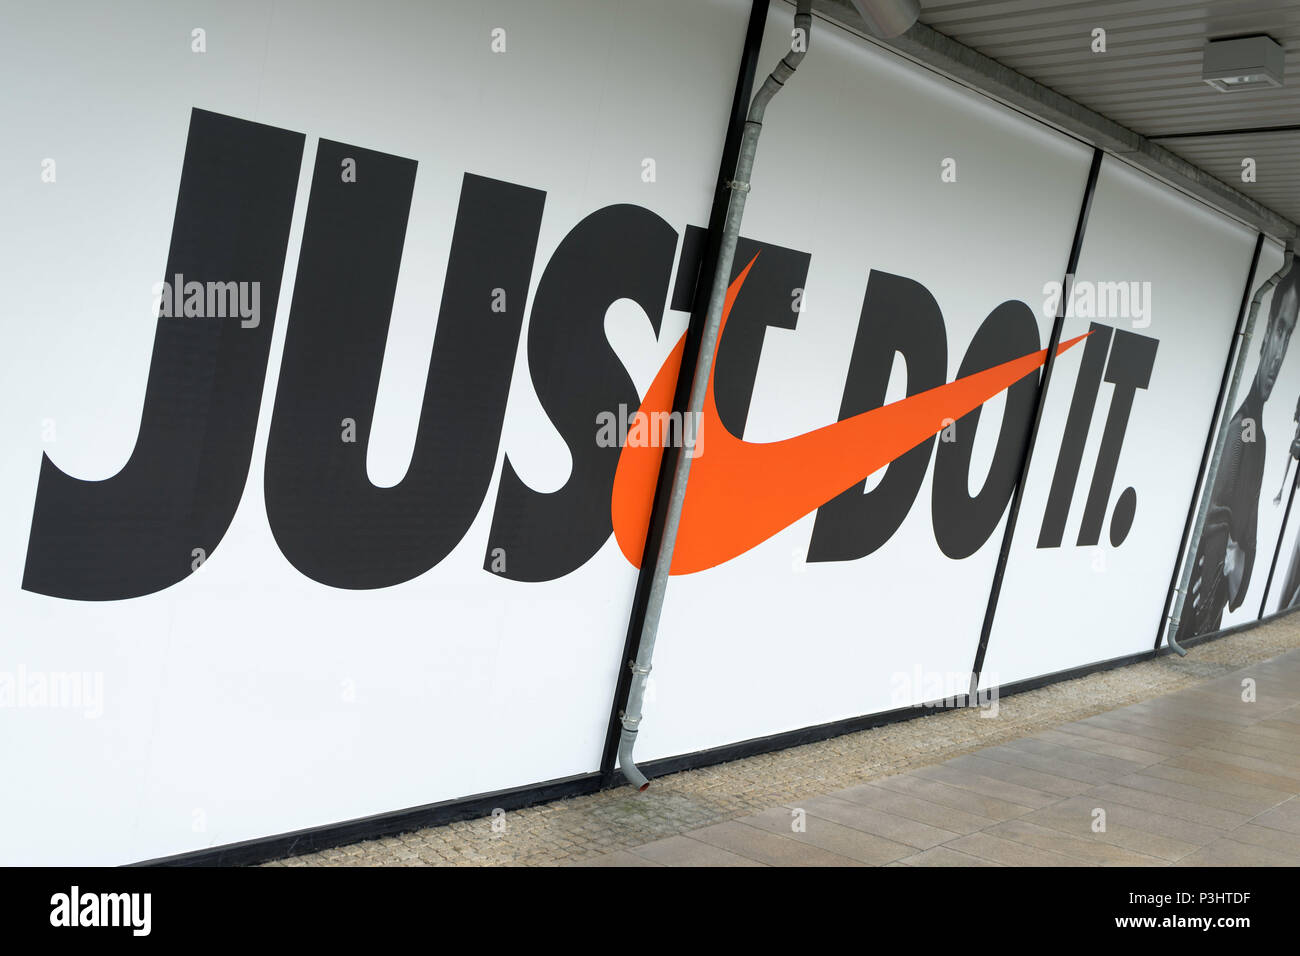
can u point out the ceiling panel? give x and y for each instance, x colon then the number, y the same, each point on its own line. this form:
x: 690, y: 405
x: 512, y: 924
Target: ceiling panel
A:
x: 1149, y: 78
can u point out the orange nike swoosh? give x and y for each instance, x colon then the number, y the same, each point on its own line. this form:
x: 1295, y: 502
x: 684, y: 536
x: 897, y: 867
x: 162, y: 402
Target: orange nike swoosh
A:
x: 741, y: 493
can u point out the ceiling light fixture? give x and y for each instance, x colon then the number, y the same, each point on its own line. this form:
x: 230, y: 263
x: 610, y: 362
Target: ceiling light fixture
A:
x: 1242, y: 64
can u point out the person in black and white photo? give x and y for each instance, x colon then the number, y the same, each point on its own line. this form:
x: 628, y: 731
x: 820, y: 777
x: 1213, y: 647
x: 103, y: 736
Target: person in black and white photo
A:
x: 1225, y: 554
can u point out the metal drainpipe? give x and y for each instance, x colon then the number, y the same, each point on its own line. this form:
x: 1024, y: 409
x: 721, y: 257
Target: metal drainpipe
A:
x: 739, y: 187
x: 1210, y: 473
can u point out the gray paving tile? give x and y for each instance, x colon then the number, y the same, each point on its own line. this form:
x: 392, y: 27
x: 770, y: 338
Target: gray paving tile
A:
x: 1070, y: 754
x: 1227, y: 852
x: 1281, y: 726
x: 1106, y: 748
x: 915, y: 808
x: 1141, y: 799
x: 1055, y: 766
x: 1285, y: 816
x: 866, y: 848
x: 946, y: 856
x: 1023, y: 776
x: 1012, y: 793
x: 683, y: 851
x: 1216, y: 766
x: 1149, y: 821
x: 1188, y: 712
x: 1262, y: 739
x: 1145, y: 744
x: 1244, y: 746
x: 1279, y: 841
x: 1236, y: 758
x: 1214, y: 711
x: 1076, y: 820
x: 1155, y: 730
x: 1009, y: 852
x: 944, y: 794
x: 1190, y: 793
x: 1263, y: 797
x: 888, y: 825
x: 767, y: 847
x: 1093, y: 851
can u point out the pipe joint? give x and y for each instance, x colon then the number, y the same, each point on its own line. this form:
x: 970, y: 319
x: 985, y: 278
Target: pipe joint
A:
x: 626, y: 741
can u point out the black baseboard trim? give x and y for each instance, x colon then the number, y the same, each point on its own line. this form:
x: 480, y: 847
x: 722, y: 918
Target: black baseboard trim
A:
x: 262, y: 849
x: 331, y: 835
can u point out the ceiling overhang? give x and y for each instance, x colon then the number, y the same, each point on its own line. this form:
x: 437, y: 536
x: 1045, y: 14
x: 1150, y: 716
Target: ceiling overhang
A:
x: 1141, y: 100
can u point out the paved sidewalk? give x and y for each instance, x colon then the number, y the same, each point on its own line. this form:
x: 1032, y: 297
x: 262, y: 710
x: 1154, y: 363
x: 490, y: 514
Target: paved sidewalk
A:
x: 1199, y: 777
x: 584, y: 828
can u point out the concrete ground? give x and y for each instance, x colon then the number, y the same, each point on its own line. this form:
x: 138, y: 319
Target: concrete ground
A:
x: 1205, y: 776
x: 1182, y: 770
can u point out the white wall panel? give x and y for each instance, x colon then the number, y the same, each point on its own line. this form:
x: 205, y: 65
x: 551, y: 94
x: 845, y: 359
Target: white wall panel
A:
x: 249, y: 700
x: 1062, y: 607
x: 849, y: 170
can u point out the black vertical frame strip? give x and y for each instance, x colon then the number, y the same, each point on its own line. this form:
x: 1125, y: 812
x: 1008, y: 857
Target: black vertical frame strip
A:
x: 1058, y: 324
x: 1277, y: 549
x: 1215, y: 417
x: 690, y: 354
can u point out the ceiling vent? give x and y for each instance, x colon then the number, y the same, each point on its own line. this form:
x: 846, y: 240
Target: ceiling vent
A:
x: 1245, y: 63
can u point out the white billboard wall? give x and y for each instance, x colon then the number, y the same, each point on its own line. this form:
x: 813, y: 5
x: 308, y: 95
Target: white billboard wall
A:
x: 274, y: 570
x: 772, y: 641
x: 1080, y: 592
x: 249, y: 699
